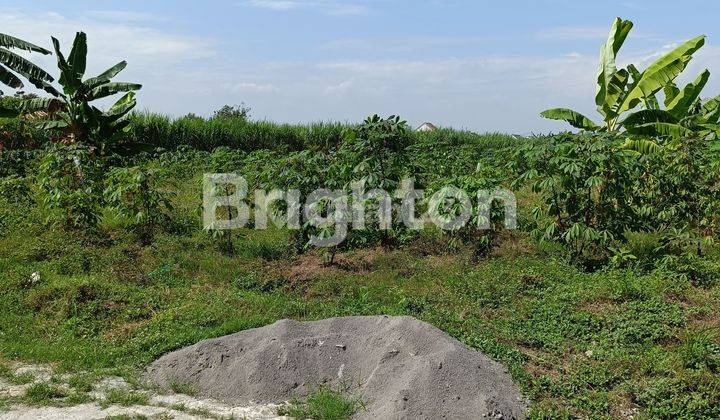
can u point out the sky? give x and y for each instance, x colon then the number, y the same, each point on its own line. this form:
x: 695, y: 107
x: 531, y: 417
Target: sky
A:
x: 467, y: 64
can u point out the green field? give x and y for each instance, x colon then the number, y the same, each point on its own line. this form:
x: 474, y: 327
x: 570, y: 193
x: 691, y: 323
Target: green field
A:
x: 618, y: 340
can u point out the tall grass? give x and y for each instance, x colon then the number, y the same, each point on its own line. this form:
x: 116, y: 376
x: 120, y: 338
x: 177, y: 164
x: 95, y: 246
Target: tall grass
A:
x: 207, y: 134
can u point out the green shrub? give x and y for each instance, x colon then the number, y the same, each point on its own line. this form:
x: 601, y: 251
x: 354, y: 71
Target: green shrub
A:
x: 600, y: 196
x: 160, y: 131
x: 133, y: 193
x: 70, y: 180
x: 587, y: 183
x: 21, y: 134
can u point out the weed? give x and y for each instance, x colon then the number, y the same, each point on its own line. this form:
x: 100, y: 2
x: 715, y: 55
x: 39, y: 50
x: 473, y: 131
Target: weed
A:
x: 82, y: 382
x: 699, y: 349
x: 180, y: 387
x: 323, y: 404
x: 43, y: 393
x: 124, y: 397
x: 22, y: 379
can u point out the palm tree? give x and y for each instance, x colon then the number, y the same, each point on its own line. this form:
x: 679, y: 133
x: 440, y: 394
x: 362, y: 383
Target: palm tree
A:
x: 13, y: 65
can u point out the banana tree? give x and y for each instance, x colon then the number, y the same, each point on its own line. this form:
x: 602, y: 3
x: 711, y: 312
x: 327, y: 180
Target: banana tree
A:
x: 700, y: 120
x: 14, y: 66
x: 71, y: 110
x: 622, y: 90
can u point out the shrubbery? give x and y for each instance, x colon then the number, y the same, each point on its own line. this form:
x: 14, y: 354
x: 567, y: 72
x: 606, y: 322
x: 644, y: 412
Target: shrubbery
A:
x: 598, y: 193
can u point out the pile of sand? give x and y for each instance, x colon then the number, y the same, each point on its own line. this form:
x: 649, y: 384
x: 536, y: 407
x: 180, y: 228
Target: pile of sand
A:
x: 400, y: 367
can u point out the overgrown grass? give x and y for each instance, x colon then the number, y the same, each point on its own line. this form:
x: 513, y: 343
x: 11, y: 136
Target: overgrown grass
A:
x: 593, y: 345
x: 155, y: 130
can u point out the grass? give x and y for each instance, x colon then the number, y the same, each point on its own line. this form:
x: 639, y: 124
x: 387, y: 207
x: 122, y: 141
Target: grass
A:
x: 82, y: 382
x: 184, y: 388
x: 323, y: 404
x: 124, y: 397
x: 43, y: 393
x: 593, y: 345
x: 15, y: 379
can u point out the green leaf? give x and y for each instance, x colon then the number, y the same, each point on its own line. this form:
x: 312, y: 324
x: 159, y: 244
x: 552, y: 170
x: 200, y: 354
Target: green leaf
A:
x: 111, y: 89
x: 8, y: 112
x: 22, y: 66
x: 634, y: 72
x: 671, y: 92
x: 47, y: 87
x: 41, y: 104
x: 661, y: 72
x: 54, y: 124
x: 711, y: 127
x: 68, y: 81
x: 607, y: 69
x: 615, y: 90
x: 8, y: 41
x: 711, y: 110
x: 575, y: 119
x: 651, y: 102
x: 642, y: 146
x: 683, y: 101
x: 105, y: 77
x: 662, y: 129
x: 77, y: 60
x: 647, y: 116
x: 9, y: 79
x: 121, y: 107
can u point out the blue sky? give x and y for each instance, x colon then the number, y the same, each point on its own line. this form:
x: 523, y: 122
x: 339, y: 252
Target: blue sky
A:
x: 480, y: 65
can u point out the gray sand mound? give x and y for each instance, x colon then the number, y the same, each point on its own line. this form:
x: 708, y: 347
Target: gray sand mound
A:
x: 400, y: 367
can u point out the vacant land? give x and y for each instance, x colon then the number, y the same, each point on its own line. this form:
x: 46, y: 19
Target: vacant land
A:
x: 622, y: 340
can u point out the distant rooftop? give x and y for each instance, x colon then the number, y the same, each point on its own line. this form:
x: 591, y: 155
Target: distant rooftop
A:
x: 427, y: 127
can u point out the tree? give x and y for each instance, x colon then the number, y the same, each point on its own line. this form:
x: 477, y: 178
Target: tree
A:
x: 72, y: 111
x: 13, y: 66
x: 620, y: 91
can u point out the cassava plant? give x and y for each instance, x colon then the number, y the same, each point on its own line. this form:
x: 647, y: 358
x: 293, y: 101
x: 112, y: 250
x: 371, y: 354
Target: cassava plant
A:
x: 620, y: 91
x: 589, y: 184
x: 134, y: 195
x: 70, y: 180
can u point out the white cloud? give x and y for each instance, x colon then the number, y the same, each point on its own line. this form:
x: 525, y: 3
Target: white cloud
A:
x: 184, y: 74
x: 168, y: 65
x: 109, y: 41
x: 245, y: 87
x: 330, y: 7
x: 587, y: 33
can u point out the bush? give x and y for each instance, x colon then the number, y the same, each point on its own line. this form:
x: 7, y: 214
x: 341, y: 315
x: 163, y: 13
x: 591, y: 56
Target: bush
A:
x: 70, y: 180
x: 599, y: 192
x: 241, y: 112
x: 588, y: 183
x: 133, y: 194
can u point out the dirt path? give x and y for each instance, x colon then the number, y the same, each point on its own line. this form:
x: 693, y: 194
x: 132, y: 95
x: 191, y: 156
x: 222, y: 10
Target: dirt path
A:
x: 35, y: 392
